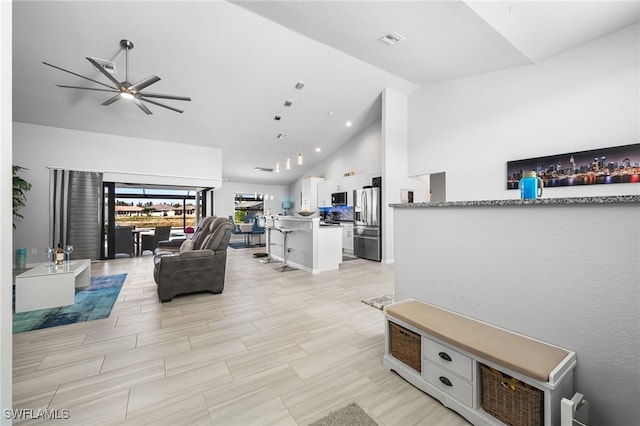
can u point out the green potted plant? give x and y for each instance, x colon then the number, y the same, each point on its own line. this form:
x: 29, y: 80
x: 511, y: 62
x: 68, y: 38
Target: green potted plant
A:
x: 20, y: 187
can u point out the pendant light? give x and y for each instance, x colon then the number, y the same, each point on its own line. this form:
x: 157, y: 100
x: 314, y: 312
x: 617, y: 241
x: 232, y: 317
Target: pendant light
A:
x: 299, y: 87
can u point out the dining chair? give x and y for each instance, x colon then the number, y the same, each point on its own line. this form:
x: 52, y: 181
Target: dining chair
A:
x: 258, y: 229
x: 237, y: 231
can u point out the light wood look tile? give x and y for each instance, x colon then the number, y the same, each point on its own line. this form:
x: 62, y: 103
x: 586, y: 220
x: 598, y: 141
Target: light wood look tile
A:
x: 272, y: 349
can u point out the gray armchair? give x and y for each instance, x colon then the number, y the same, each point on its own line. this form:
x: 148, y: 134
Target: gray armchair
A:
x: 173, y: 246
x: 190, y: 271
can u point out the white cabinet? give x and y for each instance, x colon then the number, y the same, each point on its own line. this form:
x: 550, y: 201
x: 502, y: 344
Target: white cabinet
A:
x: 347, y: 237
x: 324, y: 194
x: 448, y: 370
x: 346, y: 184
x: 463, y: 361
x: 309, y: 199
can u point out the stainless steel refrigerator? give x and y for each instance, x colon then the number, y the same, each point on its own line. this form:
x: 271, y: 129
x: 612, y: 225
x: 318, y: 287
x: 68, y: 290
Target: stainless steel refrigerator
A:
x: 367, y: 238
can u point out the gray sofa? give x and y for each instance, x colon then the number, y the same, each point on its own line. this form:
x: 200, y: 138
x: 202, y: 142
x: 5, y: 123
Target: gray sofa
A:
x: 199, y: 266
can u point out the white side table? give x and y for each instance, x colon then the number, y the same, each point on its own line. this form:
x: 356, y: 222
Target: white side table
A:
x: 49, y: 286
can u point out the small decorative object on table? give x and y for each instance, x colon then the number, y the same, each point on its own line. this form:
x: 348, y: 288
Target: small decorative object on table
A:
x: 306, y: 213
x: 49, y: 253
x: 68, y: 250
x: 21, y: 258
x: 59, y: 255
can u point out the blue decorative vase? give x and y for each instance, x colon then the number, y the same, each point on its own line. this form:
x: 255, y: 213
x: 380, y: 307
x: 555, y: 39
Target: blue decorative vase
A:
x: 530, y: 186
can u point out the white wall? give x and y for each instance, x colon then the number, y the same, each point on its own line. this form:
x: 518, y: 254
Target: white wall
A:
x: 586, y: 98
x: 6, y: 217
x: 122, y: 159
x: 361, y: 155
x: 223, y: 198
x: 394, y: 162
x: 568, y: 275
x: 585, y: 295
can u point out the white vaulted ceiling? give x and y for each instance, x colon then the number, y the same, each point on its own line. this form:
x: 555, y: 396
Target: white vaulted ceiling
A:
x: 239, y: 61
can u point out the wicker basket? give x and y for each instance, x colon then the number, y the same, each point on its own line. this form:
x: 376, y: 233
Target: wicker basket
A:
x: 514, y: 402
x: 405, y: 346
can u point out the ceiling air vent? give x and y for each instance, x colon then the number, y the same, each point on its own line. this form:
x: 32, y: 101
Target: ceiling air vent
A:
x: 262, y: 169
x: 108, y: 66
x: 392, y: 38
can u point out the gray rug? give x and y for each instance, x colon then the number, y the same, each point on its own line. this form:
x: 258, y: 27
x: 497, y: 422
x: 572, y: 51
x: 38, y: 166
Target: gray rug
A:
x: 380, y: 302
x: 351, y: 415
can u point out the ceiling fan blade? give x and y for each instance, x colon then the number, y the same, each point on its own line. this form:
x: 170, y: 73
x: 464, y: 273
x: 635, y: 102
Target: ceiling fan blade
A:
x: 158, y: 95
x: 144, y: 83
x: 85, y: 88
x: 103, y: 71
x: 82, y: 76
x: 141, y: 106
x: 112, y: 99
x: 159, y: 104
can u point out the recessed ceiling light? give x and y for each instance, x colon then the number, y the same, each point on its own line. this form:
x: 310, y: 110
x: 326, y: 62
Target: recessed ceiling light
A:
x: 277, y: 117
x: 392, y: 38
x: 318, y: 149
x: 348, y: 124
x: 288, y: 102
x: 299, y: 85
x: 281, y: 136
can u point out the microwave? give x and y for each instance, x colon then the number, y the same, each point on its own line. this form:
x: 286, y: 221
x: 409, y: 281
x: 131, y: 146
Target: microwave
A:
x: 339, y: 199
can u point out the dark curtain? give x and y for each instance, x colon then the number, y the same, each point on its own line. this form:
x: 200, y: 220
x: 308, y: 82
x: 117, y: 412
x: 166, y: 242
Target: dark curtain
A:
x: 75, y: 211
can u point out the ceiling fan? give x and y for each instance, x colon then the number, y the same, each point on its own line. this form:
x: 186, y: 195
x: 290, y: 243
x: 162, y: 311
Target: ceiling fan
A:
x: 125, y: 89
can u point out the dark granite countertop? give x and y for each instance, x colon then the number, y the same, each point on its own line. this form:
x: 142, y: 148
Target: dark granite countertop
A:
x: 615, y: 199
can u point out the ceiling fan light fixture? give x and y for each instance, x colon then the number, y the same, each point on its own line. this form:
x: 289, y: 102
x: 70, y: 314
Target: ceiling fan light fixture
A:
x: 123, y: 89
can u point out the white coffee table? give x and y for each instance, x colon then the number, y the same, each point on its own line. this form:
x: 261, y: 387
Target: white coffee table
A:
x: 49, y: 286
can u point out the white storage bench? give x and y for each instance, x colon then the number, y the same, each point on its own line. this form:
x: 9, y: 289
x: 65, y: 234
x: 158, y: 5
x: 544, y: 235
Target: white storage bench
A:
x: 481, y: 371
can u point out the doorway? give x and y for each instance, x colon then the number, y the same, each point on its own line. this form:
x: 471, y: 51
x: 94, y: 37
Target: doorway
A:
x: 144, y: 207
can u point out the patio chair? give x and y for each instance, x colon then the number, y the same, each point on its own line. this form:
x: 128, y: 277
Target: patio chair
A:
x: 150, y: 242
x: 124, y: 241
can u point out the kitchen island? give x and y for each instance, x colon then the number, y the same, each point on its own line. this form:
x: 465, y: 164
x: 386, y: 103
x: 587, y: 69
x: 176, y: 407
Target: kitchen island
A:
x: 311, y: 246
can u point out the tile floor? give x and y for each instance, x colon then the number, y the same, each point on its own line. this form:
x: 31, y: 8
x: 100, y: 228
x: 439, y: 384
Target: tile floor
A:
x: 272, y: 349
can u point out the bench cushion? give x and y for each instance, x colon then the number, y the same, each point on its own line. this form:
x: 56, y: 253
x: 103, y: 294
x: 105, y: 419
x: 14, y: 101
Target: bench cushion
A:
x: 527, y: 356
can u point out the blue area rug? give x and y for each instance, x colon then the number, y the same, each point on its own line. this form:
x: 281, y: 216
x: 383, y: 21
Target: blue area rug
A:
x: 91, y: 303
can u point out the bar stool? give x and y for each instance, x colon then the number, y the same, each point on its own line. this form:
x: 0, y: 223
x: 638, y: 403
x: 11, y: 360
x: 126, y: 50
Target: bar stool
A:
x: 269, y: 225
x: 285, y: 266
